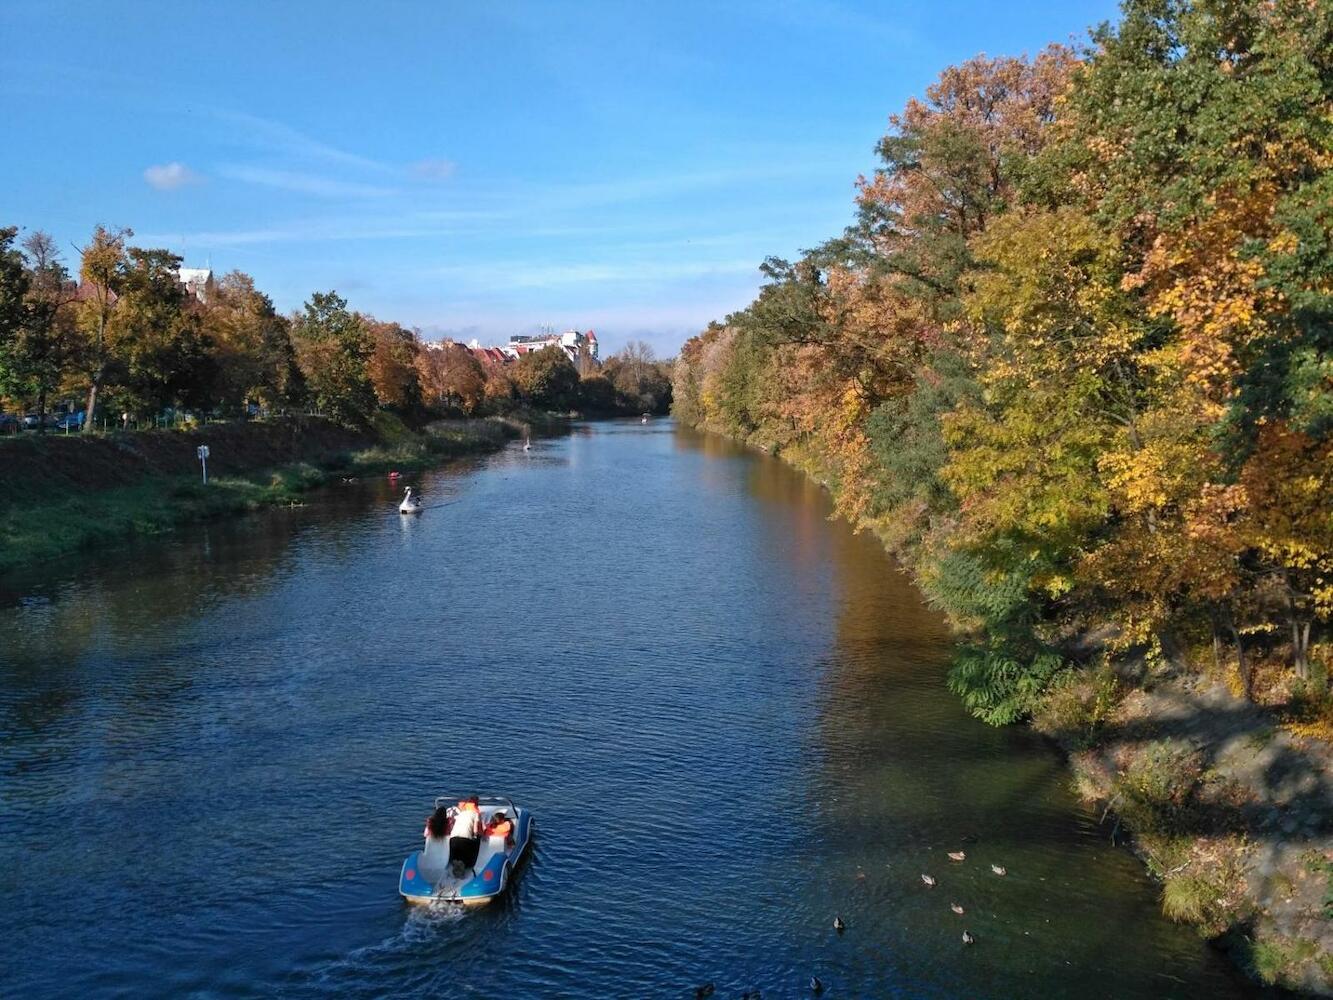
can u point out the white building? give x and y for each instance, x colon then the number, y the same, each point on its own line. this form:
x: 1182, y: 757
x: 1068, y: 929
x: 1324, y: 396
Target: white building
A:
x: 198, y: 281
x: 574, y: 343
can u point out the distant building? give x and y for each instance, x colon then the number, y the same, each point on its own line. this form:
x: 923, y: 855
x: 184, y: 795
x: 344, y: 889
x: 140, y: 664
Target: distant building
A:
x: 198, y: 281
x: 575, y: 344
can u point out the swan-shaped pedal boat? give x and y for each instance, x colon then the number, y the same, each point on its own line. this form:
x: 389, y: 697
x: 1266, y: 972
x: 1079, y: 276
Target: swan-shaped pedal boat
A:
x: 428, y: 878
x: 411, y: 504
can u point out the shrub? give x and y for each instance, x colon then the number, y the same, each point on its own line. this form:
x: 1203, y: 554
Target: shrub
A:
x: 1158, y: 789
x: 1078, y: 705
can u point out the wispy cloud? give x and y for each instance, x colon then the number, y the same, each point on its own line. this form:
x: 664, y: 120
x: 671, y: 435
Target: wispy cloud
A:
x: 304, y: 183
x: 544, y: 274
x: 433, y: 170
x: 170, y: 176
x: 276, y: 136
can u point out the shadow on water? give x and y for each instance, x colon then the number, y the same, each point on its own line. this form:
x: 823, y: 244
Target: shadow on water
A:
x: 725, y: 710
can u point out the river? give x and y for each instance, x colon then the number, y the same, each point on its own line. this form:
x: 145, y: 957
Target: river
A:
x: 726, y: 711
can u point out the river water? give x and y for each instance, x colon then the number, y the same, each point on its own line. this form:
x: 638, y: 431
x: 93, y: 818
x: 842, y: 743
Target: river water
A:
x: 726, y: 712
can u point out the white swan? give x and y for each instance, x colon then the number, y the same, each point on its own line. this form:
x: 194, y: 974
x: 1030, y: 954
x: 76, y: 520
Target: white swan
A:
x: 527, y: 444
x: 410, y: 504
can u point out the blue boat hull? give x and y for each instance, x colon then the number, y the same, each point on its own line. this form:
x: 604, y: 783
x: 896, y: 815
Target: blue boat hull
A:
x: 494, y: 871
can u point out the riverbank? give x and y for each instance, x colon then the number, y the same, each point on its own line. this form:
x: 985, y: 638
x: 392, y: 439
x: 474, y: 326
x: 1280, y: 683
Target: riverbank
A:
x: 62, y: 494
x: 1229, y: 804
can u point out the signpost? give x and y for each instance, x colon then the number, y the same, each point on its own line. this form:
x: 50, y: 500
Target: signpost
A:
x: 202, y: 452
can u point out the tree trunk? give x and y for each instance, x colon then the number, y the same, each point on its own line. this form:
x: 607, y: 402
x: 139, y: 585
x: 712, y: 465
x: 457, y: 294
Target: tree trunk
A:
x: 92, y: 404
x: 1299, y: 638
x: 1217, y: 643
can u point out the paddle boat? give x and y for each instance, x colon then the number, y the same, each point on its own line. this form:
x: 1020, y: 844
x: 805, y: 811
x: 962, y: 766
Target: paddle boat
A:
x: 411, y: 504
x: 427, y: 876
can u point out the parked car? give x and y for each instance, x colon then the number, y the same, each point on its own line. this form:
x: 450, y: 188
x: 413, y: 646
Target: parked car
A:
x: 32, y: 421
x: 70, y: 422
x: 9, y: 424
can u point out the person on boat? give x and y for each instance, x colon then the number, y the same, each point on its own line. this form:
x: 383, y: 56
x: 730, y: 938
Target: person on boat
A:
x: 501, y: 826
x: 435, y: 855
x: 465, y: 835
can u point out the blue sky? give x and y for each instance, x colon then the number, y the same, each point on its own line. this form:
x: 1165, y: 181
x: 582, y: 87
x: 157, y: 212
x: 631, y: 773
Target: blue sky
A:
x: 482, y: 168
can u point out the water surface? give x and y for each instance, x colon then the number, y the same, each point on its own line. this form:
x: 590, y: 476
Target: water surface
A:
x: 725, y: 710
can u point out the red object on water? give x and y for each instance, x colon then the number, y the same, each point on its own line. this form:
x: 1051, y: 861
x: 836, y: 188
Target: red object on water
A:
x: 394, y: 475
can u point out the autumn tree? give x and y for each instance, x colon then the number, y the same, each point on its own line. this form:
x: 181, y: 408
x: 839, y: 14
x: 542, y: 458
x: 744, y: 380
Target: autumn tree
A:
x: 252, y: 347
x: 451, y: 377
x: 101, y: 270
x: 333, y: 349
x: 393, y: 365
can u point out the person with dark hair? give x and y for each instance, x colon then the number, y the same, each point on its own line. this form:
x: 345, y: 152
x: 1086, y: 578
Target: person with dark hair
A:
x: 465, y: 836
x: 435, y: 855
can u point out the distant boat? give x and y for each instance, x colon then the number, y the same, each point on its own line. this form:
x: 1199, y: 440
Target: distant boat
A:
x: 527, y: 444
x: 410, y: 504
x: 645, y: 419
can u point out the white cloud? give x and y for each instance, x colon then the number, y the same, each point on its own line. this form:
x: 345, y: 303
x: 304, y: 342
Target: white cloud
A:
x: 170, y: 176
x: 433, y: 170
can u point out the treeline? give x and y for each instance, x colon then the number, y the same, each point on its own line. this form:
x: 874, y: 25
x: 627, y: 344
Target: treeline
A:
x: 123, y: 335
x: 1072, y: 361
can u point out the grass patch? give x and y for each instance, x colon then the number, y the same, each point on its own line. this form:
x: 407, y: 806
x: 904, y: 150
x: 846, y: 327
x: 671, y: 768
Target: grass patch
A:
x: 73, y: 520
x: 1279, y: 960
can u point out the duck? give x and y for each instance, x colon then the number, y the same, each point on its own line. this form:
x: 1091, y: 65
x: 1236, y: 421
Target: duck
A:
x: 839, y: 925
x: 999, y: 869
x: 706, y: 990
x: 816, y: 985
x: 410, y: 504
x: 928, y: 879
x: 968, y: 938
x: 957, y: 855
x: 956, y: 909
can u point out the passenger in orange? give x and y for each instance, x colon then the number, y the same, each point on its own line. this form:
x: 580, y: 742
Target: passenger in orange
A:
x: 501, y: 826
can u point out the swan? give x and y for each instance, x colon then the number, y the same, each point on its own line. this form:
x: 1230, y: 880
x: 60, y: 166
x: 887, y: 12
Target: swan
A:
x: 410, y: 504
x: 527, y: 444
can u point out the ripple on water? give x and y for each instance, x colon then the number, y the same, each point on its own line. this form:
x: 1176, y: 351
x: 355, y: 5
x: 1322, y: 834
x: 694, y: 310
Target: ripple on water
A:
x: 725, y: 711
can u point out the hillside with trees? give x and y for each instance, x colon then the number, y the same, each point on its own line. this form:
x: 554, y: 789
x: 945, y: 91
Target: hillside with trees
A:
x: 120, y: 337
x: 1072, y: 364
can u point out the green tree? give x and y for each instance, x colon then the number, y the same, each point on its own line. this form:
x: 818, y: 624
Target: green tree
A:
x: 333, y: 349
x: 547, y: 379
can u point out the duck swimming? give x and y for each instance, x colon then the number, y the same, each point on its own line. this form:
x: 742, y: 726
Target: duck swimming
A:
x: 968, y: 938
x: 956, y: 908
x: 928, y: 879
x: 957, y: 856
x: 999, y: 869
x: 838, y: 925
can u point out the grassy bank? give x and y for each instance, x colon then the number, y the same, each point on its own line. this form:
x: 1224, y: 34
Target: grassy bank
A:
x: 63, y: 495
